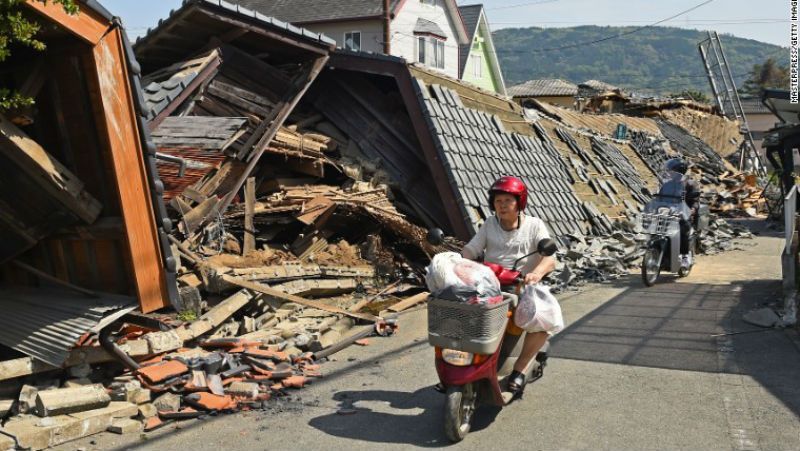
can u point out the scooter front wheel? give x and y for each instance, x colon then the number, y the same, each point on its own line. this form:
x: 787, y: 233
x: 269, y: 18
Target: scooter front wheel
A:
x: 459, y: 408
x: 651, y: 265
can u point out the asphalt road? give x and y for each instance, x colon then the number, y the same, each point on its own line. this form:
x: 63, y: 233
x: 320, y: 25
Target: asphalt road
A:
x: 637, y: 368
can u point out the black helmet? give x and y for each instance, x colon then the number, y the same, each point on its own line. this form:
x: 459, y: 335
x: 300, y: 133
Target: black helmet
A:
x: 676, y: 165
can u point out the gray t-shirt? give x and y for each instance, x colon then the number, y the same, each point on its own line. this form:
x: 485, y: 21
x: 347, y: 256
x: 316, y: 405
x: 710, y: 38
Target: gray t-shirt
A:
x: 504, y: 247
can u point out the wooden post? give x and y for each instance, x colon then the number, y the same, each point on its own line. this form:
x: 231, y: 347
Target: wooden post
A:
x: 249, y: 211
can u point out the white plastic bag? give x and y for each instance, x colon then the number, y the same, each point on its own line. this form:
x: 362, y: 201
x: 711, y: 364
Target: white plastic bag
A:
x: 538, y: 310
x: 454, y: 277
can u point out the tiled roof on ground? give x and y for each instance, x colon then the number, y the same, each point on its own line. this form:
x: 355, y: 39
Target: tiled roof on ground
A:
x: 477, y: 149
x: 162, y: 87
x: 543, y: 87
x: 605, y: 124
x: 300, y: 11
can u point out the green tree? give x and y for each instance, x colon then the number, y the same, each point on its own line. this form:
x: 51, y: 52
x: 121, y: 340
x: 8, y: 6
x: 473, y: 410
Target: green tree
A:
x: 697, y: 96
x: 765, y: 75
x: 17, y: 29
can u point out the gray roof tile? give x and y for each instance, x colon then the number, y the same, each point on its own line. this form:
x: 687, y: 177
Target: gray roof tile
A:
x: 544, y: 87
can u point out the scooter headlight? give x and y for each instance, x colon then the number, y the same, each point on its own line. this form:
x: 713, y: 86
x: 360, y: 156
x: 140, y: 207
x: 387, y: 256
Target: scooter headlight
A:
x: 457, y: 358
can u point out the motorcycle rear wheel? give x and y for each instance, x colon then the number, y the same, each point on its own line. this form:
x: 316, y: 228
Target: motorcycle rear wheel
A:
x: 651, y: 266
x: 459, y: 408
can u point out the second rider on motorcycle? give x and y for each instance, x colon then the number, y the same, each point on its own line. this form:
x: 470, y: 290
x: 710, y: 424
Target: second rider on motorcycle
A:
x: 504, y: 238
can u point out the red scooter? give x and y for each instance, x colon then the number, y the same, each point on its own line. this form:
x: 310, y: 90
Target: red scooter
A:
x: 476, y: 347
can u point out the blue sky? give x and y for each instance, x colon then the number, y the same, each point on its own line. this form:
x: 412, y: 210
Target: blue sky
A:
x: 762, y: 20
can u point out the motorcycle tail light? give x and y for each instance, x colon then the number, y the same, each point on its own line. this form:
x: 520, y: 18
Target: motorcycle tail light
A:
x: 479, y: 358
x: 457, y: 358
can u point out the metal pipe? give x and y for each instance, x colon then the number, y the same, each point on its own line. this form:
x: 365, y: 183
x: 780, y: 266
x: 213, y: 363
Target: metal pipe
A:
x: 173, y: 159
x: 111, y: 347
x: 387, y: 40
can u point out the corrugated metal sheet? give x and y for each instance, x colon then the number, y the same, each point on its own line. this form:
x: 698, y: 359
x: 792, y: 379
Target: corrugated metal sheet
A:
x: 45, y: 323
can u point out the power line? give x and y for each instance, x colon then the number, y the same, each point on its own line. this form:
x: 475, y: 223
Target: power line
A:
x: 627, y: 33
x: 691, y: 22
x: 519, y: 5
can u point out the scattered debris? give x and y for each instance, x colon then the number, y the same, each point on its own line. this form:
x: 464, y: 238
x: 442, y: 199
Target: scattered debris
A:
x: 764, y: 317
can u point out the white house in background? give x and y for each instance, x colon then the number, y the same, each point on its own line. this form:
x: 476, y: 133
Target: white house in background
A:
x: 425, y: 31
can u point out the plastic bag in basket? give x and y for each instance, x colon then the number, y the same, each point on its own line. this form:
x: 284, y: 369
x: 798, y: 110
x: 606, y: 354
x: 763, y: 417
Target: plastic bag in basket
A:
x: 538, y: 310
x: 451, y: 276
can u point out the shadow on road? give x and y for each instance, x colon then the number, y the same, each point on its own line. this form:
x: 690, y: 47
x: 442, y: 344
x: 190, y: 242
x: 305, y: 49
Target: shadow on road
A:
x: 416, y: 418
x: 678, y: 326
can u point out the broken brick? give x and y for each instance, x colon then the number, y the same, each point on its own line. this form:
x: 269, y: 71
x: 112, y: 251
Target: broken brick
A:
x: 167, y: 402
x: 162, y: 371
x: 209, y: 401
x: 294, y: 382
x: 153, y: 423
x: 124, y: 426
x: 183, y: 414
x: 247, y: 390
x: 268, y: 354
x: 282, y: 370
x: 229, y: 343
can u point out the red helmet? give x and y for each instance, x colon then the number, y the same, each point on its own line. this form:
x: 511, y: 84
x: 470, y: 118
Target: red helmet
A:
x: 509, y: 185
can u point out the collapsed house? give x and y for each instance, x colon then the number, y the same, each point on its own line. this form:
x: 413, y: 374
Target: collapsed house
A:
x: 293, y: 185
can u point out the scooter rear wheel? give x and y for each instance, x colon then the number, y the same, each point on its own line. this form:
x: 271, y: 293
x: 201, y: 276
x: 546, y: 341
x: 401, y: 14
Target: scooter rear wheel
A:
x: 459, y: 408
x: 651, y: 266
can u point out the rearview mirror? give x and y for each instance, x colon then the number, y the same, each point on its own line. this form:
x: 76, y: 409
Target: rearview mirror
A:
x: 546, y: 247
x: 435, y: 237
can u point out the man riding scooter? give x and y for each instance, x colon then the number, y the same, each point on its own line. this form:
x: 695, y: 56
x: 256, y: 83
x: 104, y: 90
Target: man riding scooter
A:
x: 676, y: 187
x: 503, y: 239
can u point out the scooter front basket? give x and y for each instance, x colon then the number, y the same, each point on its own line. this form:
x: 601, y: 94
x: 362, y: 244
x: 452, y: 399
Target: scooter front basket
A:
x: 466, y: 327
x: 657, y: 224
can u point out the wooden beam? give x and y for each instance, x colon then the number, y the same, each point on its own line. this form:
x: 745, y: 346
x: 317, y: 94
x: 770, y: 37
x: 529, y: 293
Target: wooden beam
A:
x: 118, y: 131
x: 53, y: 177
x: 87, y: 25
x: 269, y: 125
x: 249, y: 211
x: 407, y: 303
x: 286, y: 297
x: 209, y: 71
x: 319, y: 49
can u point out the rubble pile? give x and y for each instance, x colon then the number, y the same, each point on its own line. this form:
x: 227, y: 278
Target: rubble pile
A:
x: 596, y: 259
x: 251, y: 347
x: 737, y: 195
x: 720, y: 235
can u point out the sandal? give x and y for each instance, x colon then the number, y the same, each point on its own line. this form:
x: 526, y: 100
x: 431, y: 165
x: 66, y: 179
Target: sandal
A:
x: 516, y: 382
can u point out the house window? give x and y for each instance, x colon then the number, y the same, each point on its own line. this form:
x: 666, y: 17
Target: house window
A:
x: 477, y: 66
x: 438, y: 53
x: 352, y: 41
x: 430, y: 51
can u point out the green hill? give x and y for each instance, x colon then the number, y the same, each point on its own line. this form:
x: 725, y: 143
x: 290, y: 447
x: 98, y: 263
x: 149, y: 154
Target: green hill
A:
x: 657, y: 60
